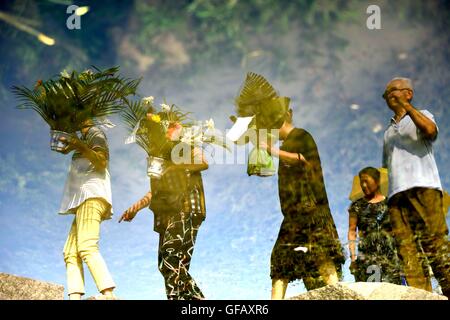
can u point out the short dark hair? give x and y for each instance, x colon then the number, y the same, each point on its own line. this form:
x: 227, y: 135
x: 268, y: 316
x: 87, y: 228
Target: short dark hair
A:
x: 371, y: 171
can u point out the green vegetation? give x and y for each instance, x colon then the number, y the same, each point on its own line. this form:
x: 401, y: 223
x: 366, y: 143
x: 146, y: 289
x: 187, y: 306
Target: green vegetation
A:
x: 168, y: 40
x: 68, y: 102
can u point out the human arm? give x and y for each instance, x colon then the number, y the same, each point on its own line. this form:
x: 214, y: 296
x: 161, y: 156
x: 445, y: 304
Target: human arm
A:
x: 290, y: 157
x: 384, y: 159
x: 305, y: 159
x: 426, y: 126
x: 352, y: 234
x: 132, y: 211
x: 97, y: 156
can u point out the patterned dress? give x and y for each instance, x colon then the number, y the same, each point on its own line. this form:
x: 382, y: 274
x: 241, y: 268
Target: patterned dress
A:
x: 377, y: 255
x: 307, y: 219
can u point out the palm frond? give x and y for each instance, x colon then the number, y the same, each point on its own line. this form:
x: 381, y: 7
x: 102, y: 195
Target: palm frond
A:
x: 67, y: 102
x: 258, y: 98
x: 176, y: 115
x: 132, y: 115
x: 255, y: 90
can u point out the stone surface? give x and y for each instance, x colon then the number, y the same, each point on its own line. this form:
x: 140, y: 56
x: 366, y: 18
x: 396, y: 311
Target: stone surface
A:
x: 19, y: 288
x: 368, y: 291
x: 334, y: 292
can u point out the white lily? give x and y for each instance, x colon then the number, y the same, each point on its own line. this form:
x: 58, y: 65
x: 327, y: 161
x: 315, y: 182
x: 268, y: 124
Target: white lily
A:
x: 148, y: 100
x: 210, y: 124
x: 65, y: 74
x: 187, y: 136
x: 165, y: 107
x: 88, y: 72
x: 198, y: 139
x: 195, y: 130
x: 186, y: 140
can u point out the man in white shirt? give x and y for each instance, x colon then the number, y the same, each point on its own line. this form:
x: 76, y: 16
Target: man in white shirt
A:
x: 415, y: 191
x: 87, y: 195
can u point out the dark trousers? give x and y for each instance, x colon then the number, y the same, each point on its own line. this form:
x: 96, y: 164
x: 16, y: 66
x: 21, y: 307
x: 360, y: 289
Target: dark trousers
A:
x: 176, y: 246
x: 418, y: 222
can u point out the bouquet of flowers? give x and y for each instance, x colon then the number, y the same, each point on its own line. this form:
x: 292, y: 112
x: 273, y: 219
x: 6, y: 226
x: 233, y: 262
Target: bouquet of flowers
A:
x: 158, y: 132
x: 70, y: 100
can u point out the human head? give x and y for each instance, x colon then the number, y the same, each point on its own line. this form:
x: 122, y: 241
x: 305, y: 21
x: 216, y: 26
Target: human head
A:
x: 398, y: 87
x: 369, y: 179
x: 174, y: 131
x: 287, y: 125
x: 164, y: 124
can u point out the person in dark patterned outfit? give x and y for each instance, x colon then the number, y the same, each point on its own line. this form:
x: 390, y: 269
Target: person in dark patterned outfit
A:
x: 177, y: 200
x: 377, y: 259
x: 308, y: 245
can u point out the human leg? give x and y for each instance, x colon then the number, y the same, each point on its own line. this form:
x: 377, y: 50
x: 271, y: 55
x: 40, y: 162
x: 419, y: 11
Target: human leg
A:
x: 321, y: 272
x: 285, y: 263
x: 175, y: 252
x: 190, y: 290
x: 74, y: 265
x: 327, y: 271
x: 429, y: 204
x: 279, y: 287
x: 400, y: 215
x: 89, y: 215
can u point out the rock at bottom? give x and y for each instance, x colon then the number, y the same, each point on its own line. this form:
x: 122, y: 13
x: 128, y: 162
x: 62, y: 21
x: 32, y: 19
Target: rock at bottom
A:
x: 368, y: 291
x: 19, y: 288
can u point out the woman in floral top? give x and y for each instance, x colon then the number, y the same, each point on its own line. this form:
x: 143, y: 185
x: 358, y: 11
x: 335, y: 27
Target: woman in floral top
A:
x: 377, y: 259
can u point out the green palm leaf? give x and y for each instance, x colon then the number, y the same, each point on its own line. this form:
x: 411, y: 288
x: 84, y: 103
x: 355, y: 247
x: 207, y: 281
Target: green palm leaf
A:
x: 254, y: 92
x: 132, y: 115
x: 67, y: 102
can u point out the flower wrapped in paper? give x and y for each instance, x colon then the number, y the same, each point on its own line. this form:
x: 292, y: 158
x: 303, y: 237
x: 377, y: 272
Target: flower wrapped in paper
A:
x: 159, y: 132
x: 260, y: 108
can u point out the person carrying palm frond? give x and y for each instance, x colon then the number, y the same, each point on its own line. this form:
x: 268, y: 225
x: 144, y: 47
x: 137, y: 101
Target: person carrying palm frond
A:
x: 308, y: 245
x: 77, y: 102
x: 259, y: 100
x: 177, y: 197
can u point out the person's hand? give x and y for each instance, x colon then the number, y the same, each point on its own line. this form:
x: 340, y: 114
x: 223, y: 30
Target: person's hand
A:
x: 301, y: 158
x: 265, y: 146
x: 399, y: 96
x: 71, y: 143
x: 66, y: 149
x: 130, y: 213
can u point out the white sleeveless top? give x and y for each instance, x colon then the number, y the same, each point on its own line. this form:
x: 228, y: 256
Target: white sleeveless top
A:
x: 84, y: 181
